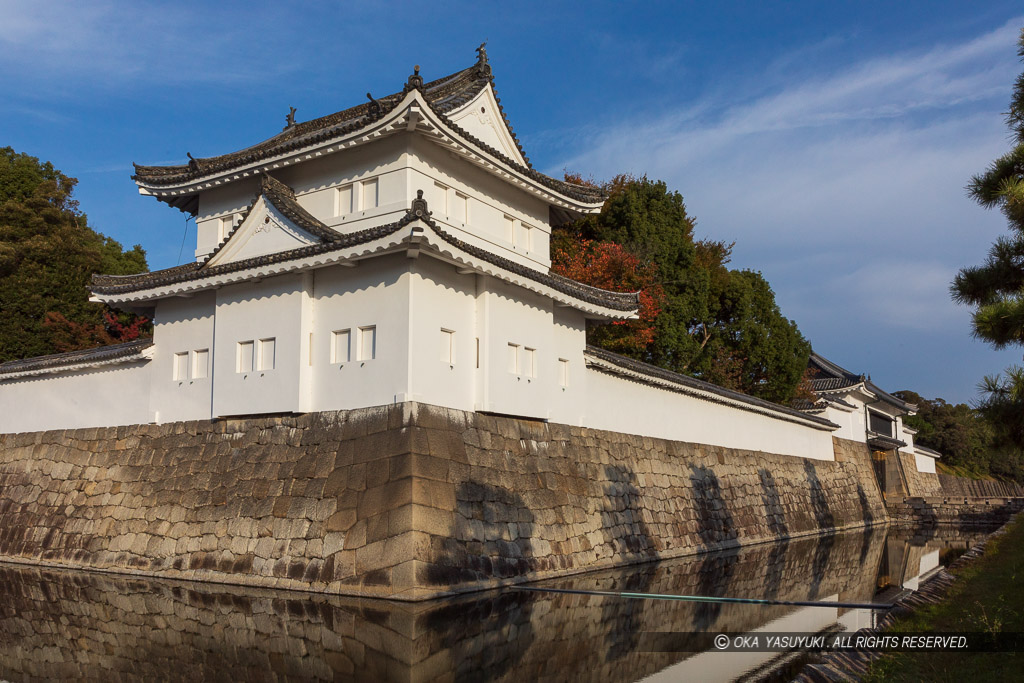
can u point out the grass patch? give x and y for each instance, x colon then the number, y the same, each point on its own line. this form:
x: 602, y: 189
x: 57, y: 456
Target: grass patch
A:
x: 986, y: 597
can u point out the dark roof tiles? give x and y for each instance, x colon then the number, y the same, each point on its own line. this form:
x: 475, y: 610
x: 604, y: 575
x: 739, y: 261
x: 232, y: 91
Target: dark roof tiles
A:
x: 126, y: 351
x: 122, y: 284
x: 443, y: 96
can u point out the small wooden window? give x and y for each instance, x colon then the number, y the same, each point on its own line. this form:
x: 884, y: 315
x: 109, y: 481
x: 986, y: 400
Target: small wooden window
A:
x: 513, y: 358
x: 563, y: 372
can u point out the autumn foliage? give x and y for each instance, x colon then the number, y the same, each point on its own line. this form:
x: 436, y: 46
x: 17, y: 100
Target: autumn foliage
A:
x: 68, y: 335
x: 611, y: 266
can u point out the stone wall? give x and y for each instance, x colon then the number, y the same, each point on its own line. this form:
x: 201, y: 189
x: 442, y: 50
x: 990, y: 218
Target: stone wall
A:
x: 958, y: 486
x: 962, y: 512
x: 918, y: 483
x: 406, y: 501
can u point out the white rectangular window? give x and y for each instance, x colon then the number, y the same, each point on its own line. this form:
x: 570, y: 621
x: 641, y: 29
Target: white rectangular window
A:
x: 478, y: 353
x: 460, y: 208
x: 442, y: 199
x: 368, y: 342
x: 370, y: 194
x: 226, y: 223
x: 523, y: 237
x: 244, y: 360
x: 530, y: 362
x: 528, y: 238
x: 513, y: 358
x: 447, y: 346
x: 266, y: 353
x: 200, y: 364
x: 510, y: 229
x: 341, y: 346
x: 344, y: 201
x: 181, y: 366
x: 563, y: 372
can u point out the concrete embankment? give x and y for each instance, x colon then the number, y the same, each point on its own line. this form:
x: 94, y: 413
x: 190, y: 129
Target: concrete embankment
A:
x: 407, y: 501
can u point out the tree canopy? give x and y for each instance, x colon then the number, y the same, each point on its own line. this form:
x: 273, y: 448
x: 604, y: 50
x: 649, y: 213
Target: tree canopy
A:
x: 712, y: 322
x: 48, y: 253
x: 996, y: 288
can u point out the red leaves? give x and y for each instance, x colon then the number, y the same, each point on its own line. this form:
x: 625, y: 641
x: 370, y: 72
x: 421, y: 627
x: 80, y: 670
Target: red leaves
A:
x: 611, y: 266
x: 68, y: 335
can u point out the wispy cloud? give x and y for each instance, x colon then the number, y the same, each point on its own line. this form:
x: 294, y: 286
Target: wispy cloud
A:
x: 99, y: 44
x: 845, y: 187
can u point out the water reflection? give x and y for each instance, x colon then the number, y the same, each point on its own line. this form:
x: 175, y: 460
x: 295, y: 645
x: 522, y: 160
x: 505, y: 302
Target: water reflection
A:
x: 71, y: 625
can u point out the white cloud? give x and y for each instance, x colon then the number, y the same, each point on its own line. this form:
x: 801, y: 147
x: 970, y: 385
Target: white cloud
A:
x: 845, y: 188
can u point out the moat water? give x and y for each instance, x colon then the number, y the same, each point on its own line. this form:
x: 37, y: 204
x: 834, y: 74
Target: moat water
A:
x: 71, y: 625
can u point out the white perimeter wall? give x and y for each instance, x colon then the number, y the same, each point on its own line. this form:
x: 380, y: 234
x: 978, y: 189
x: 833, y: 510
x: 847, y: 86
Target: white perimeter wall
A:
x: 623, y: 405
x: 107, y: 396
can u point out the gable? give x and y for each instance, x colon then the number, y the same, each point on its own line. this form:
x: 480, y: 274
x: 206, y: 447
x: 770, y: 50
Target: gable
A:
x: 481, y: 118
x: 264, y: 230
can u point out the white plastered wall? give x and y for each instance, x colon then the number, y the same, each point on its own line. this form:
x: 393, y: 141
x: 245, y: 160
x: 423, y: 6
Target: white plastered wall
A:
x: 106, y: 396
x: 373, y: 294
x: 258, y: 312
x: 182, y: 325
x: 623, y: 405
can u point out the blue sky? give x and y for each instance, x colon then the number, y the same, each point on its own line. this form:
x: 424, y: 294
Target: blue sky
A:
x: 831, y: 141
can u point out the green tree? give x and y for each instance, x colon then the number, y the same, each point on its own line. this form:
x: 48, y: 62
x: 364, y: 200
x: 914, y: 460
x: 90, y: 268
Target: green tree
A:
x: 996, y: 288
x: 48, y: 253
x: 718, y: 324
x: 961, y: 433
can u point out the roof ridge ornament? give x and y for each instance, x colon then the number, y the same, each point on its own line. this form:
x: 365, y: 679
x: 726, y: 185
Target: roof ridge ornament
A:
x: 415, y: 81
x: 482, y: 66
x: 290, y: 118
x: 375, y: 106
x: 419, y: 206
x: 193, y: 163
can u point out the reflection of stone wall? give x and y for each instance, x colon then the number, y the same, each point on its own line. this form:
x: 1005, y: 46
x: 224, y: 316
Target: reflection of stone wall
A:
x: 88, y: 626
x: 404, y: 500
x: 963, y: 512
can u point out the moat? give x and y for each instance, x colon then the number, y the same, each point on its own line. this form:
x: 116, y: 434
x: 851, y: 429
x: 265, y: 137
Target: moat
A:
x: 59, y: 624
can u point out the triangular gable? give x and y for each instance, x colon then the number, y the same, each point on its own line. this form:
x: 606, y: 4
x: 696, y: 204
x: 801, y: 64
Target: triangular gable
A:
x: 264, y: 230
x: 274, y: 223
x: 482, y: 118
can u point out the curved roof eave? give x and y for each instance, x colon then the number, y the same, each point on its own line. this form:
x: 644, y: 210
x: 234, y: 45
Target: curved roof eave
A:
x: 398, y: 119
x: 191, y: 278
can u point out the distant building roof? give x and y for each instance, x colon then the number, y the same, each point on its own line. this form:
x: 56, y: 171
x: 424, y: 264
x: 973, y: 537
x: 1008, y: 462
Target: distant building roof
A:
x: 827, y: 377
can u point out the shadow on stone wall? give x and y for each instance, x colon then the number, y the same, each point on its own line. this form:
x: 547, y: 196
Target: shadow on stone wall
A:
x: 773, y: 510
x: 715, y: 525
x: 622, y: 522
x: 495, y: 545
x: 819, y: 503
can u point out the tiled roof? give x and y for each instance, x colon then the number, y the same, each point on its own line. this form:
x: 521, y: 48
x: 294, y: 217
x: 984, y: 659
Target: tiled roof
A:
x: 121, y: 284
x: 282, y: 198
x: 826, y: 376
x: 884, y: 442
x: 732, y: 397
x: 103, y: 354
x: 442, y: 96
